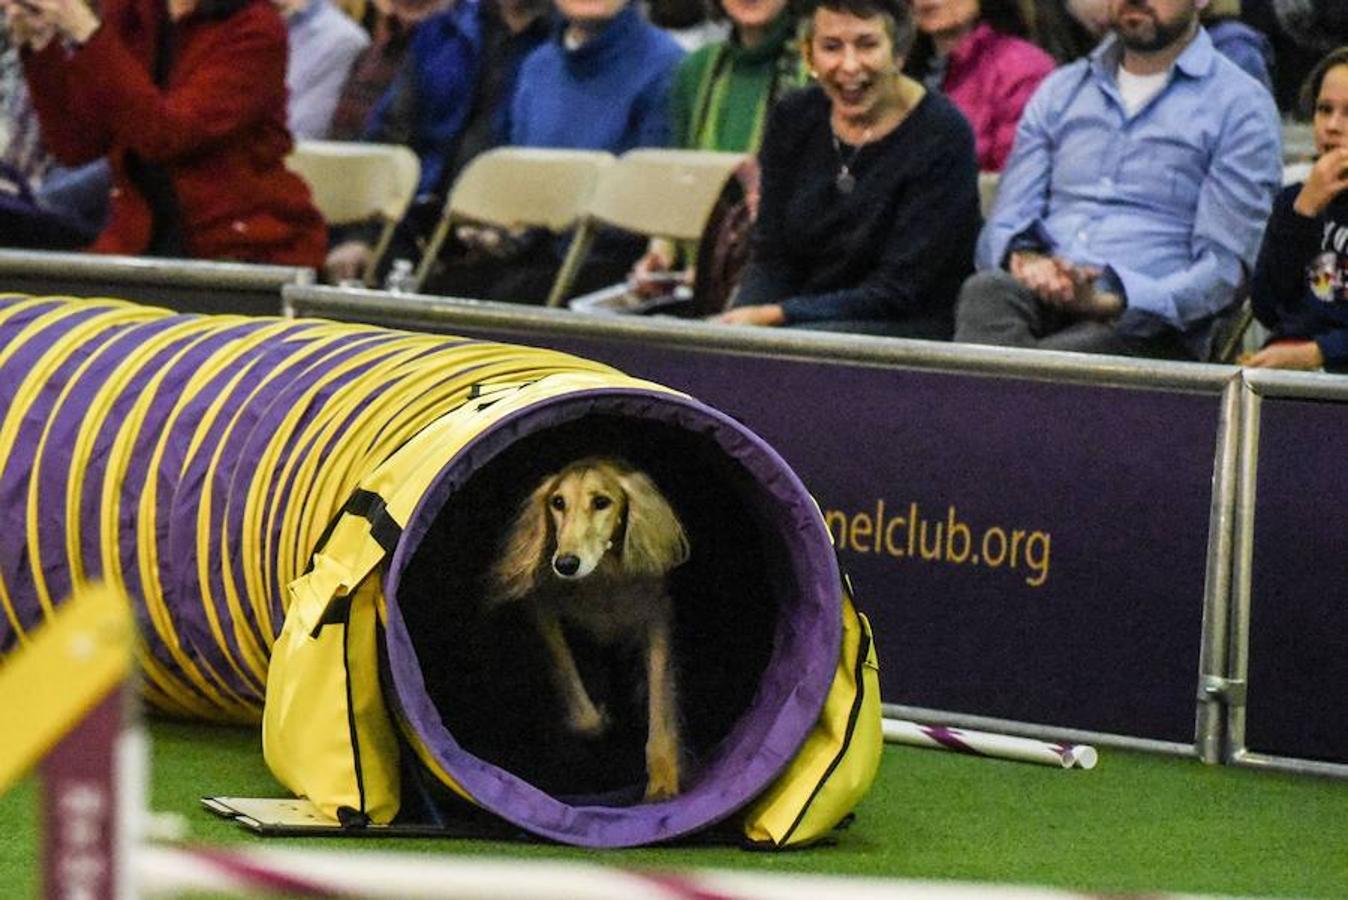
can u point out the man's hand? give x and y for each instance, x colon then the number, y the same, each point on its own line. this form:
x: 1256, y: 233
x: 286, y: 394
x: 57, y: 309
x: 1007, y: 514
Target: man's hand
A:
x: 1065, y: 286
x: 1088, y: 302
x: 763, y: 314
x: 1043, y: 275
x: 348, y: 261
x: 1286, y: 355
x: 1328, y: 178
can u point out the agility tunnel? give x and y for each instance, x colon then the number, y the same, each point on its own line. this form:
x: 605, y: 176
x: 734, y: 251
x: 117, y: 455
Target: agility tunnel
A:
x: 304, y: 512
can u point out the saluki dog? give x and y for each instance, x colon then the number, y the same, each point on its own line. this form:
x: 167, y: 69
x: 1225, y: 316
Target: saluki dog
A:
x: 592, y: 546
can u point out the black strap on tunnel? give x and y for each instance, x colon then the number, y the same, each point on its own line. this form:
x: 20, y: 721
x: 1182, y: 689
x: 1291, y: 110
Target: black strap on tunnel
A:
x: 385, y: 531
x: 336, y: 614
x: 371, y: 507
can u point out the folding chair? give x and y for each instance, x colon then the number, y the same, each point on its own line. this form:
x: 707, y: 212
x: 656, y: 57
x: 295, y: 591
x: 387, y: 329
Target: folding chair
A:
x: 987, y: 191
x: 1228, y: 340
x: 354, y: 182
x: 513, y: 187
x: 654, y: 192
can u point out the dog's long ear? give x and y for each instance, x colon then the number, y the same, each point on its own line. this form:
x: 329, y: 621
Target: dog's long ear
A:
x: 516, y: 570
x: 654, y: 541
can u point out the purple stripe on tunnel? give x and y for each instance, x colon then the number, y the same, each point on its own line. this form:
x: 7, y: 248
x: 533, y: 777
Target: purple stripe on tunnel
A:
x: 30, y: 361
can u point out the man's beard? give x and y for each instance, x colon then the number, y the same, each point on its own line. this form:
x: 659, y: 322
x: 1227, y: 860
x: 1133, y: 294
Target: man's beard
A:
x: 1151, y: 35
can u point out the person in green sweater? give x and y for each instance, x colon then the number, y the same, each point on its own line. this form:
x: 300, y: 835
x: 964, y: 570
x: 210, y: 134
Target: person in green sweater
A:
x: 722, y: 93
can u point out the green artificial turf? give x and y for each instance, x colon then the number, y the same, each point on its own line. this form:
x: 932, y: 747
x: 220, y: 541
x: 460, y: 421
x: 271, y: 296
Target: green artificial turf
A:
x: 1137, y: 823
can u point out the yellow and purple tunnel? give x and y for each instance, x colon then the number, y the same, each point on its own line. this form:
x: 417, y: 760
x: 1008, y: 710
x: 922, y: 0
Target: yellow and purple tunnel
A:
x: 196, y: 462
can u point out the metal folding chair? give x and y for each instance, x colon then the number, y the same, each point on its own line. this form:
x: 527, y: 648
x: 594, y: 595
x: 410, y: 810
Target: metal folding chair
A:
x: 355, y: 182
x: 513, y: 187
x: 654, y: 192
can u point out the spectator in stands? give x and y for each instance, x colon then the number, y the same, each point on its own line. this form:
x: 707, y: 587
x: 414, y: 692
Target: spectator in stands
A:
x: 724, y: 91
x: 1134, y: 200
x: 974, y: 51
x: 1301, y: 32
x: 1300, y: 288
x: 195, y: 131
x: 1240, y: 43
x: 390, y: 24
x: 869, y: 205
x: 1244, y: 46
x: 601, y: 82
x: 323, y: 43
x: 449, y: 103
x: 21, y: 149
x: 24, y: 163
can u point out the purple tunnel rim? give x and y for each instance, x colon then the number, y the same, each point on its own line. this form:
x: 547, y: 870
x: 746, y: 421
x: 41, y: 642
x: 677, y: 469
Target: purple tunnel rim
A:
x: 788, y: 699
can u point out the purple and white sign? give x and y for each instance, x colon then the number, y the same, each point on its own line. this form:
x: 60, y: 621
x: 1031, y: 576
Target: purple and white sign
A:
x: 1298, y: 658
x: 81, y: 815
x: 1026, y: 550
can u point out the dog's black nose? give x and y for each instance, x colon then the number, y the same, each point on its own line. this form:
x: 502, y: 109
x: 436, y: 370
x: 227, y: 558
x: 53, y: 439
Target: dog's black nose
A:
x: 567, y: 565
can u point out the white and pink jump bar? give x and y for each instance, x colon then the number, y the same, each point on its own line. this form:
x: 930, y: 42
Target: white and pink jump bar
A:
x: 983, y: 743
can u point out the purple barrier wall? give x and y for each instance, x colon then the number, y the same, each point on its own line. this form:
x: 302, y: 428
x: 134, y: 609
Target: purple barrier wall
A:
x: 1026, y: 550
x: 1298, y: 654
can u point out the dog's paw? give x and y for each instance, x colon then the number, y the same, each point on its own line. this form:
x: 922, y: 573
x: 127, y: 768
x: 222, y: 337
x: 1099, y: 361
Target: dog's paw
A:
x: 662, y: 782
x: 589, y: 723
x: 661, y: 776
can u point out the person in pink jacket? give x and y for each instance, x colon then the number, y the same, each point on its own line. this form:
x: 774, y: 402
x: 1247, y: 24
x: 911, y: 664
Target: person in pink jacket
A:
x: 975, y: 54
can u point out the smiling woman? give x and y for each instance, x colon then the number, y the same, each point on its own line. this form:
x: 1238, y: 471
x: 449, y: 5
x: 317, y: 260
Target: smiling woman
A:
x: 869, y: 206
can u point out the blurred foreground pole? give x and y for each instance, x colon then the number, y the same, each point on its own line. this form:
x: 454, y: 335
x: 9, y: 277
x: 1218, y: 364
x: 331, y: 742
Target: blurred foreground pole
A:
x: 65, y: 701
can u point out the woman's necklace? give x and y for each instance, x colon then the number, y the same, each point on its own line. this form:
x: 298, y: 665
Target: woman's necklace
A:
x: 845, y: 181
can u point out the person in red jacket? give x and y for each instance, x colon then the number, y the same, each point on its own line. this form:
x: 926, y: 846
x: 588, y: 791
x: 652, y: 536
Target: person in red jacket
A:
x: 190, y: 109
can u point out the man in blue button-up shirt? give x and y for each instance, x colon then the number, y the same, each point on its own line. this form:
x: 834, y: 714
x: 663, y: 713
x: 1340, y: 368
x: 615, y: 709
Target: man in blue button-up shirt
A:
x: 1131, y: 209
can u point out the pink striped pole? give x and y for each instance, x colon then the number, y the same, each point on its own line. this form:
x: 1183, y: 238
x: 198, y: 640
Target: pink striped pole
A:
x: 984, y: 743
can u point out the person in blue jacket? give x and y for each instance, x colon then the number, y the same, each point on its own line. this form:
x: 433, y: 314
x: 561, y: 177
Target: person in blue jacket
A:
x: 449, y: 102
x: 601, y: 82
x: 1300, y: 285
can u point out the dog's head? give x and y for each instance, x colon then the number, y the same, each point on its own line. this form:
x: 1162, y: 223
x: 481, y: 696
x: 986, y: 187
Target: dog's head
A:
x: 595, y: 514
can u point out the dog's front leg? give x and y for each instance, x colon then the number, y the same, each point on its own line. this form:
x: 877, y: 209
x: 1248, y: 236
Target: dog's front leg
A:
x: 662, y: 735
x: 582, y: 716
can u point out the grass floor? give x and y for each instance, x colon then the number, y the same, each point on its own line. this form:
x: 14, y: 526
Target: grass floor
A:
x: 1137, y: 823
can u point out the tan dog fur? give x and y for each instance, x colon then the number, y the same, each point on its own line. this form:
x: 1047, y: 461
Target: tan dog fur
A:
x: 592, y: 546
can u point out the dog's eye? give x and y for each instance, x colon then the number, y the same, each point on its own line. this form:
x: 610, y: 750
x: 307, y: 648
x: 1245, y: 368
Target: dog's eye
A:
x: 558, y: 503
x: 602, y: 502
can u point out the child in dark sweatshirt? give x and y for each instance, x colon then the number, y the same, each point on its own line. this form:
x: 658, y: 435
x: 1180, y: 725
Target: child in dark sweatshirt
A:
x: 1300, y: 287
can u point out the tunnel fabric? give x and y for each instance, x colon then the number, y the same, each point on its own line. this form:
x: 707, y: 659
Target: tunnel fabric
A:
x: 199, y: 462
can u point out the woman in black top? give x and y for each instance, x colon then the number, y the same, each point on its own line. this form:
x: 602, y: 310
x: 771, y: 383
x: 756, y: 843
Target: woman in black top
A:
x: 869, y: 207
x: 1300, y: 287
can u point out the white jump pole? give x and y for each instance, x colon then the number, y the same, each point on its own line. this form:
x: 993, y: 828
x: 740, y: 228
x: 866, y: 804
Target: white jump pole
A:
x: 984, y: 743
